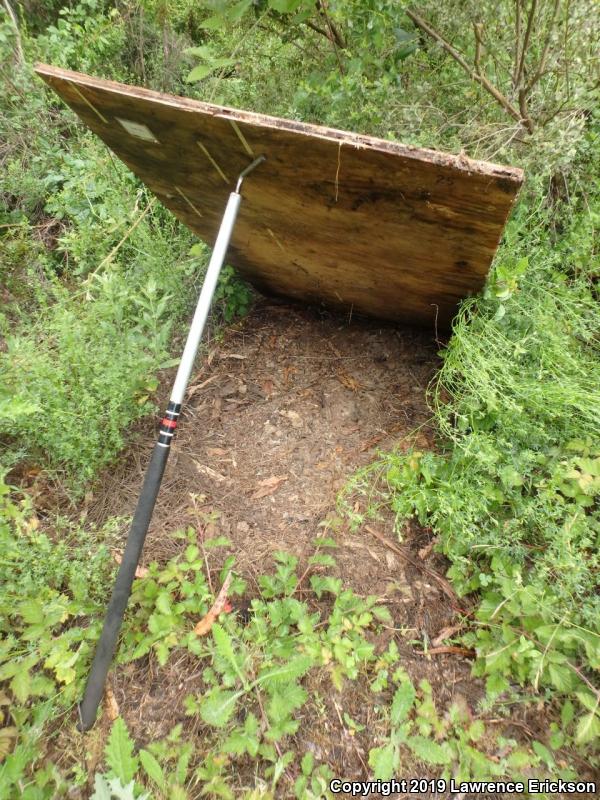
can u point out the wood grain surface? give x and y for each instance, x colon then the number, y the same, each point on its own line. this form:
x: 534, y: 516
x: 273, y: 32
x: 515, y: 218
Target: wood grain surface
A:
x: 359, y: 223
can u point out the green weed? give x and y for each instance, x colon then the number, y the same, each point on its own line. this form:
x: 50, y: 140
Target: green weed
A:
x: 49, y: 593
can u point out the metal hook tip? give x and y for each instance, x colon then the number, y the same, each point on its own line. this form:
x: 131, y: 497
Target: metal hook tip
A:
x: 245, y: 172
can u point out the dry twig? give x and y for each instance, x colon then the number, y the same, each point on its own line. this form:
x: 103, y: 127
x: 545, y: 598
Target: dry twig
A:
x: 443, y: 583
x: 472, y: 72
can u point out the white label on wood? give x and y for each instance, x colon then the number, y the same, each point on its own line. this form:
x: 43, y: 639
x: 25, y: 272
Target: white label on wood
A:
x: 138, y: 130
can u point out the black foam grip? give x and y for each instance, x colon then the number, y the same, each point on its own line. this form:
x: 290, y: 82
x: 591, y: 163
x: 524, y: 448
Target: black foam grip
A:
x: 118, y: 602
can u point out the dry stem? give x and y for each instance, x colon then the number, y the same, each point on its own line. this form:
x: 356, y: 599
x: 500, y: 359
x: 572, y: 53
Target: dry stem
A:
x: 473, y: 73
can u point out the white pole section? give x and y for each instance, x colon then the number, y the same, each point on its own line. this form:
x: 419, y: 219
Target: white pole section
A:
x: 208, y: 289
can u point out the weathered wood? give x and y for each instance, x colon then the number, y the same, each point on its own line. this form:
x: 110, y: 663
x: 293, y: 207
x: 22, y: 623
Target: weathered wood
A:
x: 351, y: 221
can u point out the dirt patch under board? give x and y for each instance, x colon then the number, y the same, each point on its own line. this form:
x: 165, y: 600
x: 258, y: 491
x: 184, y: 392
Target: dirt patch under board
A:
x: 281, y: 413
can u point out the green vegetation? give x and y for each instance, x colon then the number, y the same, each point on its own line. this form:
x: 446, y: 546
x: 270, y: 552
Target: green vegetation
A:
x: 250, y: 696
x: 95, y: 277
x: 513, y: 491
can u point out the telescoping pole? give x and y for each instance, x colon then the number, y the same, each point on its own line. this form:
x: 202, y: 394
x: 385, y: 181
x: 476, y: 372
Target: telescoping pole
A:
x: 141, y: 520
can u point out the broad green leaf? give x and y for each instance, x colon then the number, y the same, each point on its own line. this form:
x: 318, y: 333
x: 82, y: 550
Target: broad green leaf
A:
x: 284, y: 701
x: 224, y: 645
x: 588, y: 729
x: 203, y: 51
x: 521, y: 266
x: 20, y: 685
x: 562, y: 677
x: 199, y: 72
x: 127, y: 792
x: 540, y: 750
x: 63, y: 669
x: 162, y: 653
x: 322, y: 584
x: 183, y: 761
x: 192, y: 551
x: 242, y: 740
x: 101, y: 788
x: 307, y: 763
x: 213, y: 23
x: 382, y: 613
x: 588, y: 701
x: 519, y: 759
x: 288, y: 671
x: 496, y: 684
x: 285, y: 6
x: 119, y: 753
x: 567, y: 713
x: 325, y: 541
x: 153, y: 769
x: 218, y: 705
x: 476, y: 730
x: 404, y: 697
x: 322, y: 560
x: 32, y: 612
x: 238, y: 10
x: 202, y: 70
x: 217, y: 541
x: 163, y: 603
x: 384, y: 762
x: 428, y: 750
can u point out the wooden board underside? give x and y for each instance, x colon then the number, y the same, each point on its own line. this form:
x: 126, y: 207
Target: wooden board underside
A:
x: 353, y: 221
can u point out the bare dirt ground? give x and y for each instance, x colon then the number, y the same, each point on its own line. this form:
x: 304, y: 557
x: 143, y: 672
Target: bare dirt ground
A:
x: 282, y: 412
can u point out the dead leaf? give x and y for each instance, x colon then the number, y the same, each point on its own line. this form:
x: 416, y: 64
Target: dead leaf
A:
x: 212, y: 355
x: 211, y: 473
x: 112, y: 707
x: 287, y: 372
x: 140, y: 572
x: 268, y: 486
x: 8, y: 737
x: 446, y: 633
x: 220, y: 605
x: 449, y: 650
x: 425, y: 551
x: 268, y: 387
x: 216, y: 451
x: 369, y: 443
x: 228, y: 389
x: 349, y: 381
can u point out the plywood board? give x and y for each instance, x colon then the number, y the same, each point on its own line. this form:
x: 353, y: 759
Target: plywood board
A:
x: 364, y: 224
